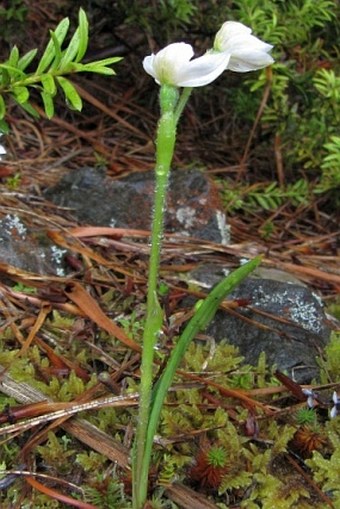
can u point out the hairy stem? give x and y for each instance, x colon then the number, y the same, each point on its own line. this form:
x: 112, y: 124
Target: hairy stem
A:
x: 165, y: 144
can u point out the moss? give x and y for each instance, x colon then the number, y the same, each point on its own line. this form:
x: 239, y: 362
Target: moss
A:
x: 330, y: 362
x: 256, y: 464
x: 58, y: 453
x: 326, y: 467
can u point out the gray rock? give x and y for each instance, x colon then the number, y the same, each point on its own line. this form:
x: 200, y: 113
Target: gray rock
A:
x: 283, y: 319
x: 193, y: 204
x: 28, y: 250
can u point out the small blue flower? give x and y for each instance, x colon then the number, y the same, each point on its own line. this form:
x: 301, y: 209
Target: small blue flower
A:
x: 335, y: 410
x: 311, y: 397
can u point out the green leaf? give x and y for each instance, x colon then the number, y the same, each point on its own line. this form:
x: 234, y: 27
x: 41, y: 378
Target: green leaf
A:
x: 99, y: 67
x: 26, y: 59
x: 202, y: 317
x: 74, y: 67
x: 101, y: 70
x: 271, y: 187
x: 48, y: 83
x: 13, y: 57
x: 83, y: 35
x: 209, y: 306
x: 5, y: 78
x: 13, y: 72
x: 50, y: 51
x: 21, y: 94
x: 57, y: 51
x: 102, y: 63
x: 71, y: 51
x: 96, y: 67
x: 2, y: 107
x: 4, y: 127
x: 263, y: 201
x: 71, y: 93
x: 29, y: 109
x: 48, y: 104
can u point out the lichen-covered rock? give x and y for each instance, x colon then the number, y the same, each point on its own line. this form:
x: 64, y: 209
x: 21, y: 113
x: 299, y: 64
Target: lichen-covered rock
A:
x: 28, y: 250
x: 193, y: 206
x: 284, y: 319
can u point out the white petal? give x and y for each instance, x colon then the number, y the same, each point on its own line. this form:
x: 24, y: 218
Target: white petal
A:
x: 166, y: 65
x: 244, y: 61
x: 248, y: 42
x: 148, y: 64
x: 247, y: 52
x: 177, y: 51
x: 228, y: 31
x: 333, y: 412
x: 203, y: 70
x: 173, y: 66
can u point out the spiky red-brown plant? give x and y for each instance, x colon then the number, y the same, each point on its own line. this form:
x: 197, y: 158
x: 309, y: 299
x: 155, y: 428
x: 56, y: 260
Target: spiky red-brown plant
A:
x: 211, y: 465
x: 308, y: 439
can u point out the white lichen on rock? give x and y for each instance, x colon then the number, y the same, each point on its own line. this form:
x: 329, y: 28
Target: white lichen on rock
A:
x: 57, y: 256
x: 223, y: 227
x: 295, y: 308
x: 186, y: 216
x: 13, y: 222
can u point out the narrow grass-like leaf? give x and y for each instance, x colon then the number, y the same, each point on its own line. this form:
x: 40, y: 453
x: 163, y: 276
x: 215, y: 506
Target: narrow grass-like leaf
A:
x: 48, y: 83
x: 71, y: 93
x: 2, y: 107
x: 49, y: 53
x: 48, y: 104
x: 203, y: 316
x: 198, y: 322
x: 83, y: 35
x: 21, y: 94
x: 26, y: 59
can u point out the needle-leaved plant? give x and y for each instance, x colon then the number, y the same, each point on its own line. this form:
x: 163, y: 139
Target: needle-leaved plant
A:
x: 17, y: 80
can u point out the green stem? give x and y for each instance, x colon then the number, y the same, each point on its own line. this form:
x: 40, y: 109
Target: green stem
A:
x: 166, y: 137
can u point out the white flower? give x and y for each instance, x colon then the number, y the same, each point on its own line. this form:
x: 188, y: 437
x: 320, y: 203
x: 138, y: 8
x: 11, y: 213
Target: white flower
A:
x: 247, y: 52
x: 173, y: 66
